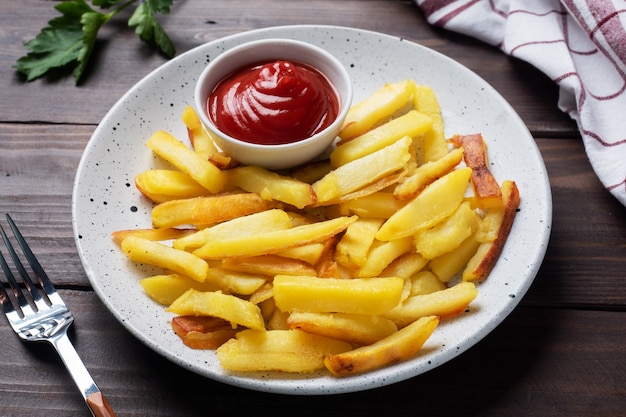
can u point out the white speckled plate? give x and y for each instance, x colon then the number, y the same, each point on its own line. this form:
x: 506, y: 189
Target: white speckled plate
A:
x: 105, y: 199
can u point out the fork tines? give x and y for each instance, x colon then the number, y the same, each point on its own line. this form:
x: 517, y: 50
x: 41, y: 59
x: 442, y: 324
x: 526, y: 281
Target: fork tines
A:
x: 35, y: 300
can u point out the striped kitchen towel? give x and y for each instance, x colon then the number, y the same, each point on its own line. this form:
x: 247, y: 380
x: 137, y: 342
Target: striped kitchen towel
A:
x: 580, y: 44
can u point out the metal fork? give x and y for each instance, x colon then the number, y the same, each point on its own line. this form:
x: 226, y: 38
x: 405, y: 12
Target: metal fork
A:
x: 37, y: 313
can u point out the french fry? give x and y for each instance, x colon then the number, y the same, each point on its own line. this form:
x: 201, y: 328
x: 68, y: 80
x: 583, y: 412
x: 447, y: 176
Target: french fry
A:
x: 449, y: 234
x: 486, y: 189
x: 273, y: 242
x: 278, y: 321
x: 399, y: 346
x: 381, y: 254
x: 277, y: 350
x: 200, y: 332
x: 450, y: 263
x: 234, y: 282
x: 272, y: 186
x: 161, y: 185
x: 354, y: 245
x: 445, y: 303
x: 263, y: 221
x: 308, y: 253
x: 483, y: 261
x: 356, y: 329
x: 411, y: 124
x: 425, y: 282
x: 165, y: 233
x: 490, y: 224
x: 439, y: 200
x: 263, y: 296
x: 164, y: 289
x: 269, y: 265
x: 425, y: 101
x: 216, y: 304
x: 324, y: 295
x: 175, y: 152
x: 200, y: 140
x: 426, y: 174
x: 379, y: 105
x: 363, y: 171
x: 381, y: 205
x: 379, y: 185
x: 326, y: 267
x: 405, y: 265
x: 207, y: 210
x: 155, y: 253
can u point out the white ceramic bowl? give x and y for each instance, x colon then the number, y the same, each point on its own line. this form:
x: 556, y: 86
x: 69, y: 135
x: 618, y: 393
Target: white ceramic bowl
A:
x: 283, y: 155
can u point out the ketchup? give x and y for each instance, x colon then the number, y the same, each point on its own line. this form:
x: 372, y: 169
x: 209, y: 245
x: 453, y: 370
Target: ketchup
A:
x: 273, y: 103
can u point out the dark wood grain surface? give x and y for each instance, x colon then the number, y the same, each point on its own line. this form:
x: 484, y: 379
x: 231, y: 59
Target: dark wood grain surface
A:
x: 562, y: 352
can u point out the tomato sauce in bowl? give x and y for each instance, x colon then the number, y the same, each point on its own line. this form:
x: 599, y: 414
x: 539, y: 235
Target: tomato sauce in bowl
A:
x: 273, y: 103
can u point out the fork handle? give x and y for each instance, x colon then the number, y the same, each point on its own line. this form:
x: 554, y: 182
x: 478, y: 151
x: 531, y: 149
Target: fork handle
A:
x: 99, y: 405
x: 94, y: 399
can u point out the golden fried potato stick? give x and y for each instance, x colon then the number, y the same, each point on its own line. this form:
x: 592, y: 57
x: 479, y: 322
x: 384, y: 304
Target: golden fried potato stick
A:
x: 399, y: 346
x: 358, y: 329
x: 426, y: 173
x: 201, y: 332
x: 263, y: 221
x: 160, y: 185
x: 425, y: 101
x: 411, y: 124
x: 486, y: 188
x: 370, y: 296
x: 178, y: 154
x: 268, y: 265
x: 438, y: 201
x: 383, y: 103
x: 383, y: 253
x: 485, y: 258
x: 272, y: 186
x: 273, y: 242
x: 233, y: 309
x: 278, y: 350
x: 364, y: 171
x: 200, y: 140
x: 445, y: 303
x: 451, y: 263
x: 165, y: 233
x: 449, y: 234
x: 235, y: 282
x: 208, y: 210
x: 379, y: 205
x: 326, y: 266
x: 166, y: 288
x: 354, y: 245
x: 158, y: 254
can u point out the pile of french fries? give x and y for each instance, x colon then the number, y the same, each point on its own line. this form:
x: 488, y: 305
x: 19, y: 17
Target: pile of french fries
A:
x: 348, y: 263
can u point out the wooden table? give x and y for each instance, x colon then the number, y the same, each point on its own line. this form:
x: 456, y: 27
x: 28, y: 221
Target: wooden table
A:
x: 562, y: 352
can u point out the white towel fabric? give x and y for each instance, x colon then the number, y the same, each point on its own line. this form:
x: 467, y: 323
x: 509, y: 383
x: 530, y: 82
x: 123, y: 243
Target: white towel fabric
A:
x: 579, y: 44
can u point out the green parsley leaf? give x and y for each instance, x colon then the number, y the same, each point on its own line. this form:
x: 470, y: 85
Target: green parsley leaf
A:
x: 91, y: 24
x: 57, y: 45
x: 147, y: 27
x: 68, y: 40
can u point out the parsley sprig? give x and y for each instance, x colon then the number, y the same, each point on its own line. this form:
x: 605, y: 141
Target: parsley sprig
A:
x: 69, y: 39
